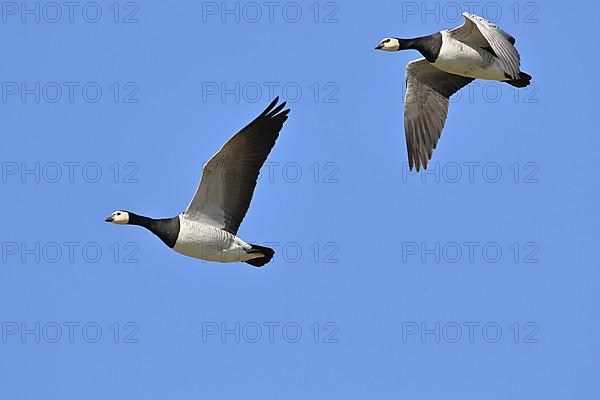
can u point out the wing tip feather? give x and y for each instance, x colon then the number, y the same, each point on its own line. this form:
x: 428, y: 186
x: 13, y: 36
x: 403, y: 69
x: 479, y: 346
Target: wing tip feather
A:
x: 273, y: 110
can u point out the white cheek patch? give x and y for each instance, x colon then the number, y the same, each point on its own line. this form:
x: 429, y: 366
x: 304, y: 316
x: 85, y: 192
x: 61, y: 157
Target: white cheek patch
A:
x: 390, y: 45
x: 393, y: 45
x: 121, y: 219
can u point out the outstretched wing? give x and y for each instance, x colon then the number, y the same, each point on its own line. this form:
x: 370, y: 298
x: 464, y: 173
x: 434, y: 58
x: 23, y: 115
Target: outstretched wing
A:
x: 229, y: 177
x: 426, y: 107
x: 481, y: 32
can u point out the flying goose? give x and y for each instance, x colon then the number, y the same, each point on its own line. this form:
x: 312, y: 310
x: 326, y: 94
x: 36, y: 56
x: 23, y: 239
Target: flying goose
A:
x: 207, y: 228
x: 452, y: 59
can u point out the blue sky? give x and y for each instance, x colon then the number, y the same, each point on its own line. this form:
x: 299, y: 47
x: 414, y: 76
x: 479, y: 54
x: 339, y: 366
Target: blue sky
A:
x: 475, y: 280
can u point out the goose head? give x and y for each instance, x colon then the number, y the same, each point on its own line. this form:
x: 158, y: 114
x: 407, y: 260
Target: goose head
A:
x: 118, y: 217
x: 389, y: 44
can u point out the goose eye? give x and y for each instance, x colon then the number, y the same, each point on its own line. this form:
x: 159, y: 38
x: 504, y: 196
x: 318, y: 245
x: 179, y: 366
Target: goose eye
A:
x: 118, y: 213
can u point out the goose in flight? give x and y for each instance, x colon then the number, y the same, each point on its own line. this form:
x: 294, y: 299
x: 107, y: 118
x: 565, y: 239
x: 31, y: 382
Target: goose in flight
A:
x: 207, y: 228
x: 452, y: 59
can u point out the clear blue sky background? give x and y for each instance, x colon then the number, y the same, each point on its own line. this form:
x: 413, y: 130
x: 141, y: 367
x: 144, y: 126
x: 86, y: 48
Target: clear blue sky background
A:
x: 363, y: 211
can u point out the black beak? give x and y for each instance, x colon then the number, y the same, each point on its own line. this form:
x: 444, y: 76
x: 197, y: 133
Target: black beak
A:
x: 379, y: 47
x: 109, y: 219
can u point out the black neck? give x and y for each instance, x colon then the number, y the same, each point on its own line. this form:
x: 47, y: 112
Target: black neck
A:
x: 166, y: 229
x: 429, y: 46
x: 406, y: 44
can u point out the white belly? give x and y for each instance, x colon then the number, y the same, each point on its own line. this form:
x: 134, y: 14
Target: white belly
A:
x: 205, y: 242
x: 461, y: 59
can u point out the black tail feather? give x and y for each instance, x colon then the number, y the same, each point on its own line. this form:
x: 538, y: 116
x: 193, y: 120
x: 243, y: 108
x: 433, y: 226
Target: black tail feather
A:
x: 261, y: 261
x: 523, y: 81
